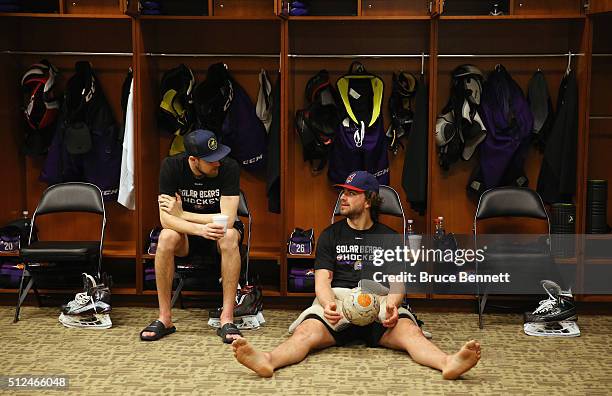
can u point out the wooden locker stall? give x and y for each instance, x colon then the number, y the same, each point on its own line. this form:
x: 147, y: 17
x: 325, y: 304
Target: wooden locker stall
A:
x: 597, y: 261
x: 522, y: 43
x: 13, y: 197
x: 245, y: 45
x: 543, y: 45
x: 105, y: 40
x: 395, y: 37
x: 247, y: 35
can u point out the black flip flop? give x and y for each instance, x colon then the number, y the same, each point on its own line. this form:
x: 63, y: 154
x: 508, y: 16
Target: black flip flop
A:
x: 228, y: 329
x: 157, y: 327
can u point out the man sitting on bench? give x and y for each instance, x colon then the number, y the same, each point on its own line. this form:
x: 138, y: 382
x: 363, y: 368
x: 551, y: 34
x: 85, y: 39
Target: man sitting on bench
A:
x: 195, y: 186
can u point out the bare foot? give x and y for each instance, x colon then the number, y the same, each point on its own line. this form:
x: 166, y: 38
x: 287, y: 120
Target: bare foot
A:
x: 462, y: 361
x: 168, y: 323
x: 249, y: 357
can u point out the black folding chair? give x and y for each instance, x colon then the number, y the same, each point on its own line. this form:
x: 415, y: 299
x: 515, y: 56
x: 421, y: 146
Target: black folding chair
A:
x: 62, y: 198
x: 510, y: 202
x: 183, y: 271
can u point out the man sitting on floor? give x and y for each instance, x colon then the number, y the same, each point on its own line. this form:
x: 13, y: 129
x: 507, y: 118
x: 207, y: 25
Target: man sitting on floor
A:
x: 194, y: 186
x: 359, y: 203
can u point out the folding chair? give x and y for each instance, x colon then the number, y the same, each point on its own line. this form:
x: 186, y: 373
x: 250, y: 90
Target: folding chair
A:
x: 62, y: 198
x: 509, y: 202
x: 182, y: 272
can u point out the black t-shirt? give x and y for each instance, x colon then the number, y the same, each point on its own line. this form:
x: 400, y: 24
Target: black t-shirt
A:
x: 349, y: 253
x: 199, y: 195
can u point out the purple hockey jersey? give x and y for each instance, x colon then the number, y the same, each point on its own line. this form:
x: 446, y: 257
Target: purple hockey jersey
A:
x: 358, y: 147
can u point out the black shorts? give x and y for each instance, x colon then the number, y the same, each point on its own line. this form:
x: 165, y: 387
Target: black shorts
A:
x: 370, y: 334
x: 200, y: 246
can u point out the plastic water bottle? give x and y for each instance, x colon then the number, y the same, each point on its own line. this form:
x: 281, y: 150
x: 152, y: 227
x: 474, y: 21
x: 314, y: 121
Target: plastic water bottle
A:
x: 25, y: 215
x: 438, y: 230
x: 441, y: 225
x: 410, y: 227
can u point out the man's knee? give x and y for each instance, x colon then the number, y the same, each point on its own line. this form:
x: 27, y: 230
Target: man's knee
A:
x: 408, y: 328
x: 169, y: 241
x: 230, y: 241
x: 310, y: 331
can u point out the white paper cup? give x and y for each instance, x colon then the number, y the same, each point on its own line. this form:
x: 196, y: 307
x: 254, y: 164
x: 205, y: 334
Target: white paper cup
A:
x: 221, y: 219
x: 414, y: 242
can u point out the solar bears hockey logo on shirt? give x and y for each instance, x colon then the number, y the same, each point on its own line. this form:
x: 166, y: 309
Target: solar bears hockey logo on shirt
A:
x: 212, y: 143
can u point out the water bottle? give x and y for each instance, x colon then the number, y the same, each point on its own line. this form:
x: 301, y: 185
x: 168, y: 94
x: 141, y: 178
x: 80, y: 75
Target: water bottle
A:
x: 410, y: 227
x: 438, y: 231
x: 441, y: 225
x: 27, y: 223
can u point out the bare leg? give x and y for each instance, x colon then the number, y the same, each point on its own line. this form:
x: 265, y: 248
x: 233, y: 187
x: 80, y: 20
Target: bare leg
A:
x: 230, y: 272
x: 406, y: 336
x: 170, y: 243
x: 308, y: 336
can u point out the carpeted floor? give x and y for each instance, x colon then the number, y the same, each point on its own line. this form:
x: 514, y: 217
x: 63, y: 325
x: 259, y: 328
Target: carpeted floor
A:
x: 194, y: 361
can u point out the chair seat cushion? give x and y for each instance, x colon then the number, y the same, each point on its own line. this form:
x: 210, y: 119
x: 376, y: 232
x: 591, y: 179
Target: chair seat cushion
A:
x: 60, y: 251
x: 525, y: 271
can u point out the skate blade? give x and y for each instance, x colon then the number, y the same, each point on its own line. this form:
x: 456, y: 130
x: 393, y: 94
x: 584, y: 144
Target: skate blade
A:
x: 553, y: 329
x: 96, y: 321
x: 260, y: 318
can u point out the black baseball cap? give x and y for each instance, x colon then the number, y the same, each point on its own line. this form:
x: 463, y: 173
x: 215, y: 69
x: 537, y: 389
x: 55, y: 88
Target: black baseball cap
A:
x: 203, y: 144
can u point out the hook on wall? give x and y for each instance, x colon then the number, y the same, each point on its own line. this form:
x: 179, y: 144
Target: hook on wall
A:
x: 422, y: 63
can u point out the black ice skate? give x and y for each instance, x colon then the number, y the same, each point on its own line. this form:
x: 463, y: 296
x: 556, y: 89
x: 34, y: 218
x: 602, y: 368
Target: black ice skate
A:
x: 555, y: 316
x: 558, y: 307
x: 89, y: 309
x: 248, y: 311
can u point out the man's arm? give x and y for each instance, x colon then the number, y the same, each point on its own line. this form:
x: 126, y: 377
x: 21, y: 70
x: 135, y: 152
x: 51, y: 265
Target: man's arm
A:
x: 171, y: 217
x: 229, y: 207
x: 178, y: 224
x: 326, y: 296
x: 324, y: 274
x: 395, y: 299
x: 397, y: 290
x: 173, y: 207
x: 323, y: 290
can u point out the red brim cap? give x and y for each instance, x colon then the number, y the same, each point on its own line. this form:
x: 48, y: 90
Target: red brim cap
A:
x: 349, y: 187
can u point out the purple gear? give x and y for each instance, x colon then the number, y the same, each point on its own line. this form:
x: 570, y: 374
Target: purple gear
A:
x: 354, y: 150
x: 508, y: 120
